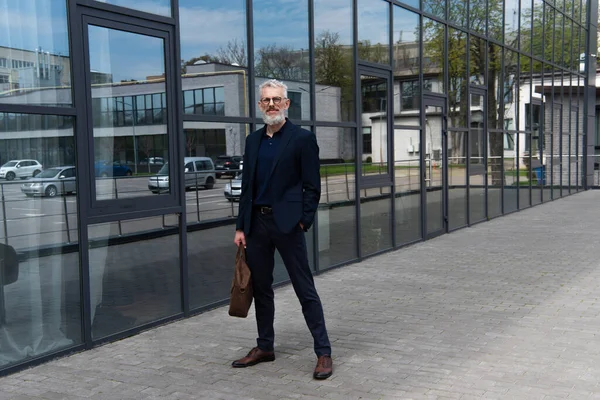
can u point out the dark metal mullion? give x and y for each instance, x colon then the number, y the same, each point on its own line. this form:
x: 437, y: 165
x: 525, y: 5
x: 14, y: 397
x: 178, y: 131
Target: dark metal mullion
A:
x: 469, y: 130
x: 390, y: 129
x: 145, y: 213
x: 178, y: 140
x: 40, y: 110
x: 216, y: 118
x: 129, y: 11
x: 358, y: 135
x: 422, y: 133
x: 313, y: 113
x: 250, y: 50
x: 78, y: 79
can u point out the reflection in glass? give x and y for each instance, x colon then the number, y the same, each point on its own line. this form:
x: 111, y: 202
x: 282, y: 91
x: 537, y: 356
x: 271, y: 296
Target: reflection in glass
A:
x: 337, y: 209
x: 136, y: 280
x: 434, y: 171
x: 457, y: 179
x: 160, y: 7
x: 496, y: 164
x: 511, y: 23
x: 477, y: 164
x: 538, y: 29
x: 510, y: 173
x: 375, y: 220
x: 373, y: 31
x: 407, y: 178
x: 35, y: 67
x: 495, y: 21
x: 457, y: 78
x: 525, y: 26
x: 334, y: 72
x: 215, y: 59
x: 130, y: 129
x: 478, y: 16
x: 40, y: 309
x: 286, y: 60
x: 406, y: 43
x: 434, y: 54
x: 374, y: 106
x: 224, y: 144
x: 477, y: 67
x: 438, y: 8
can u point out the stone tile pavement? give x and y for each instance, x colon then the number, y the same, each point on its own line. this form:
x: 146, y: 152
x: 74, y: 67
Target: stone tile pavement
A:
x: 508, y: 309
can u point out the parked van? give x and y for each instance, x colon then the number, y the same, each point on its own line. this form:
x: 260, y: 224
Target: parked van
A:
x: 199, y: 171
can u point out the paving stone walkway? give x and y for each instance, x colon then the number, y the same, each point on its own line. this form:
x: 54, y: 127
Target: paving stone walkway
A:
x: 507, y: 309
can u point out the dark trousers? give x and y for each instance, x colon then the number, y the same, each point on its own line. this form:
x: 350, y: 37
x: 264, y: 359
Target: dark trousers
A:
x: 261, y: 243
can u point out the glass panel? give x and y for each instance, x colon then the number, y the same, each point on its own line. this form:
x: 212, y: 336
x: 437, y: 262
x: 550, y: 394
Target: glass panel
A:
x: 477, y: 167
x: 538, y: 28
x: 457, y: 78
x: 457, y: 179
x: 495, y: 173
x: 134, y: 273
x: 511, y: 23
x: 407, y: 177
x: 510, y: 173
x: 373, y: 31
x: 375, y: 220
x: 286, y: 60
x: 215, y: 151
x: 556, y: 147
x: 214, y: 57
x: 478, y: 15
x: 337, y: 209
x: 35, y: 67
x: 374, y: 105
x: 160, y: 7
x: 406, y: 43
x: 40, y: 309
x: 434, y: 54
x: 123, y: 147
x: 334, y: 66
x: 477, y: 67
x: 558, y: 38
x: 438, y: 8
x: 495, y: 21
x: 548, y: 32
x: 434, y: 179
x: 525, y: 35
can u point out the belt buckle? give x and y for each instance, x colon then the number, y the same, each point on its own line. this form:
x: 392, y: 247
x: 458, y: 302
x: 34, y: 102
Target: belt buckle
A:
x: 265, y: 210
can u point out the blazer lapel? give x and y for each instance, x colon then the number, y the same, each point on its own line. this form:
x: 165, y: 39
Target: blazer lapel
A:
x: 286, y: 135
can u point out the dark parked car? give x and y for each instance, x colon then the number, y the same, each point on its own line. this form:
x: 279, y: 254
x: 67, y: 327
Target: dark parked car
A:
x: 227, y: 165
x: 106, y: 169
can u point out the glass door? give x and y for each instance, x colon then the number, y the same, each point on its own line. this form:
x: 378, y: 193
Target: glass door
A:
x: 375, y: 169
x: 435, y: 165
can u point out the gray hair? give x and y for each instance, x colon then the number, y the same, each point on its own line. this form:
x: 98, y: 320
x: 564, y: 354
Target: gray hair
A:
x: 274, y: 83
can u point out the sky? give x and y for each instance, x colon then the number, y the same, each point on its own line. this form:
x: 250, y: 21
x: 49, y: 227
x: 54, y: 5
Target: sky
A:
x: 206, y: 25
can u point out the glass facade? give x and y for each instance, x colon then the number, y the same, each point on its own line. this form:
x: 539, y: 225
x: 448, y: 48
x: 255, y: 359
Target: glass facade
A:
x: 123, y: 127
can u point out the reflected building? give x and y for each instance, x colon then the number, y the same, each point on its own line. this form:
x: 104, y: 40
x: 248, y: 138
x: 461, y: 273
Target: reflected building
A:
x: 430, y: 117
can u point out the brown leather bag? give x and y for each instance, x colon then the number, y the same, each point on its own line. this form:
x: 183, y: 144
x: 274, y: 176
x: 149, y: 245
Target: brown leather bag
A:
x: 241, y: 286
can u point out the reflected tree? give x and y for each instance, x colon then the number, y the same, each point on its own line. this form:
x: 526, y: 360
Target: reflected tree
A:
x: 282, y: 62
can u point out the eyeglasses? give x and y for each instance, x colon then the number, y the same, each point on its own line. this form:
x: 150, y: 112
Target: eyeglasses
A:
x: 267, y: 100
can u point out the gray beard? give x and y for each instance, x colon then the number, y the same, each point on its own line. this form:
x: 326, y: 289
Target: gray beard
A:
x: 273, y: 120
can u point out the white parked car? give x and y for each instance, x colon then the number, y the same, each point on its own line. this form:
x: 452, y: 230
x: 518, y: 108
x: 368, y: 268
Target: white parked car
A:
x: 20, y: 169
x: 51, y: 182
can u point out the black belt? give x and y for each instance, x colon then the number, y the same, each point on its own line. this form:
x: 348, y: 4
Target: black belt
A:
x: 264, y: 210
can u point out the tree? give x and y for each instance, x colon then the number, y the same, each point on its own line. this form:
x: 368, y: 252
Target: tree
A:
x: 282, y: 62
x: 233, y: 53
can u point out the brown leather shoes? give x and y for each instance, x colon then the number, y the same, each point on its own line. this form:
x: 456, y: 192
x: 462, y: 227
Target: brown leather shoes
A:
x: 324, y: 367
x: 254, y: 357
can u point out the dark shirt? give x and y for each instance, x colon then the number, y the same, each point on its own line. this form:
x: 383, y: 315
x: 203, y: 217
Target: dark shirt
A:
x: 266, y: 155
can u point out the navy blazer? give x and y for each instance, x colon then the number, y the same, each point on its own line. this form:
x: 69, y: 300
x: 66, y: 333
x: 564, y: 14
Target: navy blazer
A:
x: 295, y: 181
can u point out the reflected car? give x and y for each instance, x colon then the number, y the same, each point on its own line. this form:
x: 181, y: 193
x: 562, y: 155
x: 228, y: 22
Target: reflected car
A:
x: 105, y: 169
x: 233, y: 189
x: 20, y: 169
x: 153, y: 160
x: 51, y: 182
x: 199, y: 171
x: 227, y: 165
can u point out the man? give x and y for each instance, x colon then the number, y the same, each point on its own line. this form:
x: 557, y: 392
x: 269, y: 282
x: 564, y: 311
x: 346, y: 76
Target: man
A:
x: 281, y: 188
